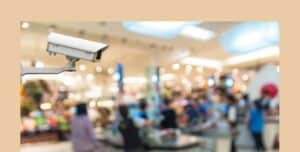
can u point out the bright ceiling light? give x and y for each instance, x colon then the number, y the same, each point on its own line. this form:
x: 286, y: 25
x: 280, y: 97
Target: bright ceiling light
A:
x: 89, y: 76
x: 167, y: 76
x: 253, y: 56
x: 92, y: 104
x: 200, y: 69
x: 46, y: 106
x: 106, y: 103
x: 245, y: 77
x: 93, y: 92
x: 197, y: 33
x: 161, y: 29
x: 235, y: 71
x: 208, y: 63
x: 98, y: 69
x: 250, y: 36
x: 185, y: 81
x: 25, y: 25
x: 116, y: 76
x: 176, y: 66
x: 135, y: 80
x: 82, y: 67
x: 110, y: 70
x: 39, y: 64
x: 188, y: 69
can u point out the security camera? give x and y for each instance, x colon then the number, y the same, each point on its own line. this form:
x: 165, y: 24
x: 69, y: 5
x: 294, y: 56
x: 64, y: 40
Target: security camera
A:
x: 73, y: 47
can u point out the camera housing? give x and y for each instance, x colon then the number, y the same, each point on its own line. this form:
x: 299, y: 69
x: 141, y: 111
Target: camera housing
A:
x: 75, y: 48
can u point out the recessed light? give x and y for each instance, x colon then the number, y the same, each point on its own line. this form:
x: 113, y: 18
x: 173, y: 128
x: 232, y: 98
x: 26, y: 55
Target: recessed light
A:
x: 176, y: 66
x: 98, y: 69
x: 39, y: 64
x: 245, y: 77
x: 204, y: 62
x: 82, y: 67
x: 197, y: 33
x: 110, y: 70
x: 25, y: 25
x: 188, y: 69
x: 200, y: 69
x: 90, y: 77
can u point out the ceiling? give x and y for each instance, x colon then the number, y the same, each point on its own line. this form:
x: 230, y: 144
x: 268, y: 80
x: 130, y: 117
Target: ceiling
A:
x: 135, y: 51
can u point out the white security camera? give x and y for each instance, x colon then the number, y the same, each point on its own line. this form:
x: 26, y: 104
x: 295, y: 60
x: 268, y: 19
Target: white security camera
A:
x: 73, y: 47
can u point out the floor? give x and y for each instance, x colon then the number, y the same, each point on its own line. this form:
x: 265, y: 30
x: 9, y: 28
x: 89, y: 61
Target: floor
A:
x: 66, y: 147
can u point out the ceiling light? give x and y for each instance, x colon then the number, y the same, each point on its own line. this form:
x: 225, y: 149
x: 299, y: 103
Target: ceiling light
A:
x: 82, y: 67
x: 200, y: 69
x: 252, y: 56
x: 98, y: 69
x: 25, y: 25
x: 90, y: 77
x: 197, y: 33
x: 208, y: 63
x: 39, y: 64
x: 116, y: 76
x: 250, y: 36
x: 176, y: 66
x: 161, y: 29
x: 92, y: 104
x: 110, y: 70
x: 245, y: 77
x: 185, y: 81
x: 135, y: 80
x: 235, y: 71
x: 46, y: 106
x: 93, y: 92
x: 188, y: 69
x: 106, y: 103
x: 167, y: 76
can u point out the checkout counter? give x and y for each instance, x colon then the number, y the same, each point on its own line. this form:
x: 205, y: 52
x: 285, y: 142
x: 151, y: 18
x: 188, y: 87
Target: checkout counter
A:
x: 155, y: 142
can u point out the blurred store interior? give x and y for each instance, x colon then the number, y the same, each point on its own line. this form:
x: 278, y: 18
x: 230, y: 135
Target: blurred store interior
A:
x: 184, y: 62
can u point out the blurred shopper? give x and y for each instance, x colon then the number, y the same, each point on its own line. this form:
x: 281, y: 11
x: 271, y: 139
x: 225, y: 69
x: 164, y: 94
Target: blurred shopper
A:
x: 142, y: 117
x: 244, y: 105
x: 82, y: 134
x: 264, y: 100
x: 256, y: 125
x: 191, y: 111
x: 130, y: 132
x: 169, y: 116
x: 232, y: 117
x: 204, y: 105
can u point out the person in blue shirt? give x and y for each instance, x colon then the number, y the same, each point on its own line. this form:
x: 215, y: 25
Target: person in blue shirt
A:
x: 257, y: 124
